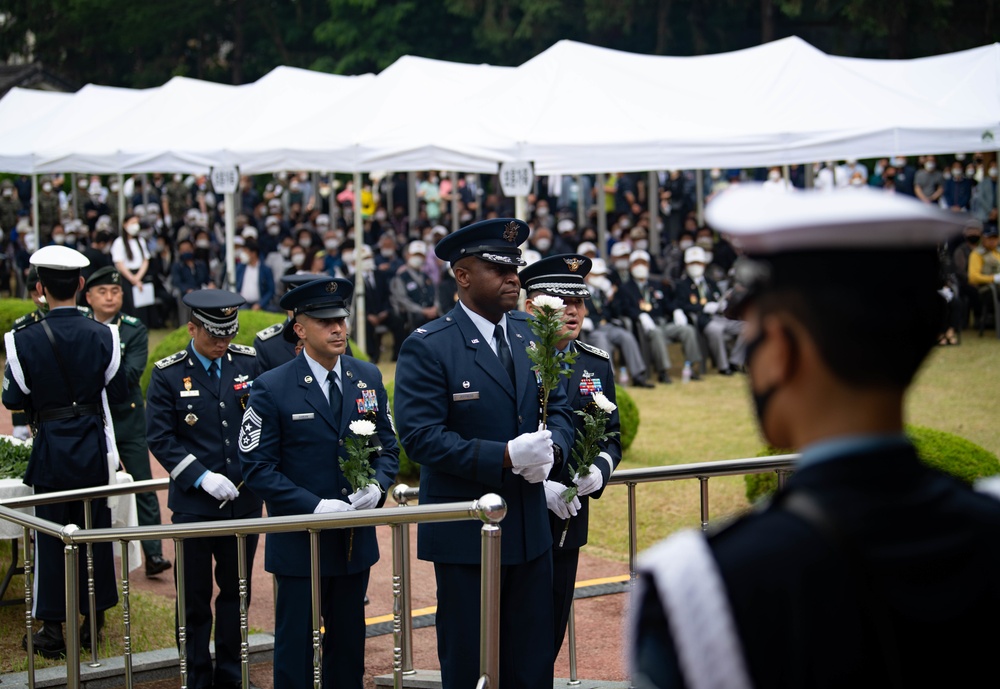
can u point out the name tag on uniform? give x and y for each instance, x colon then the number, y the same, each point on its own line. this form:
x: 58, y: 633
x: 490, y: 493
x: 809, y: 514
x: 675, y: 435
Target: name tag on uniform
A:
x: 303, y: 417
x: 464, y: 396
x: 190, y: 393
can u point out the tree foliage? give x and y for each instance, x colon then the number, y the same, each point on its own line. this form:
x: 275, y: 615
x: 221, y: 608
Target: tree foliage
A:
x: 137, y: 44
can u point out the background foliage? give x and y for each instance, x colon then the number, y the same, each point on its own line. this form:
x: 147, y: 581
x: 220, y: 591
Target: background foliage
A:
x: 138, y: 44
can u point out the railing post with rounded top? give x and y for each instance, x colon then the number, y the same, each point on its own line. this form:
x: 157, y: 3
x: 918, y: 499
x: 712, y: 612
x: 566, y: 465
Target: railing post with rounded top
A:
x: 492, y: 509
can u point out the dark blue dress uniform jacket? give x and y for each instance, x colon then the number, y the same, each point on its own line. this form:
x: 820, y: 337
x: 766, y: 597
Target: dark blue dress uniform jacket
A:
x: 592, y: 372
x: 457, y: 409
x: 926, y: 544
x: 295, y: 463
x: 272, y: 348
x: 72, y: 452
x: 193, y: 425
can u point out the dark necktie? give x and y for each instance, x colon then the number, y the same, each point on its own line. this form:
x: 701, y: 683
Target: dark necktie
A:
x: 503, y: 351
x: 336, y: 397
x: 215, y: 373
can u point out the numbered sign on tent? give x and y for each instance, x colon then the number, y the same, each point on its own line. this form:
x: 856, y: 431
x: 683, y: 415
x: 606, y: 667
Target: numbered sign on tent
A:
x: 516, y: 178
x: 225, y: 180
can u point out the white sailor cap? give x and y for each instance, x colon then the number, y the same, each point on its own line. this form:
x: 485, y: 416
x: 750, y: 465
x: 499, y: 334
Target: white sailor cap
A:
x: 861, y: 218
x: 58, y: 257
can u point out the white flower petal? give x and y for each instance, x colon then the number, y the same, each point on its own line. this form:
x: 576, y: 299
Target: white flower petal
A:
x: 362, y: 427
x: 547, y: 300
x: 603, y: 402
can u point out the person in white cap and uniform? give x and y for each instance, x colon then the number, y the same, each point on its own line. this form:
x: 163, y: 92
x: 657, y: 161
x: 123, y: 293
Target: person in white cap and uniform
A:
x: 63, y: 371
x: 868, y: 568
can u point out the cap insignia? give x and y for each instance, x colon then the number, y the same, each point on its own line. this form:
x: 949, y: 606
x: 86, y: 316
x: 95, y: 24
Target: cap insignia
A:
x: 229, y: 310
x: 331, y: 287
x: 510, y: 232
x: 573, y: 264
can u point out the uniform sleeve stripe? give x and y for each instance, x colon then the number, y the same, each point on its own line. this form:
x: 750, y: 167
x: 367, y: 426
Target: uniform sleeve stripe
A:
x: 116, y: 355
x: 181, y: 466
x: 15, y: 364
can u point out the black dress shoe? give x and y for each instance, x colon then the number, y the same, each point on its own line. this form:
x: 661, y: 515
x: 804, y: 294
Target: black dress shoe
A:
x: 665, y: 378
x: 641, y: 382
x: 85, y: 630
x: 156, y: 564
x: 47, y: 642
x: 725, y: 371
x: 366, y: 600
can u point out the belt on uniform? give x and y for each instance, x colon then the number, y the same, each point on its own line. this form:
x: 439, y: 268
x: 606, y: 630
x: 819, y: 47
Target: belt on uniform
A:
x: 72, y: 411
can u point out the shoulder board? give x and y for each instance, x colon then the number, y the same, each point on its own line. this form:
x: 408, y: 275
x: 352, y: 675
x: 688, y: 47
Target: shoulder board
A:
x: 242, y: 349
x: 271, y: 331
x: 25, y: 320
x: 434, y: 326
x: 131, y: 320
x: 85, y: 310
x: 518, y: 315
x: 597, y: 351
x: 172, y: 359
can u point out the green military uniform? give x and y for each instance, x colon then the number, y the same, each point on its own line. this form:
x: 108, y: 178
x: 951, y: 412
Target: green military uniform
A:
x: 112, y: 203
x: 9, y: 207
x: 178, y: 200
x: 48, y: 214
x: 129, y: 417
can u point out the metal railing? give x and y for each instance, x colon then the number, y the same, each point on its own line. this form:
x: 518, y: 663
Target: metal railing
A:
x: 490, y: 509
x: 782, y: 465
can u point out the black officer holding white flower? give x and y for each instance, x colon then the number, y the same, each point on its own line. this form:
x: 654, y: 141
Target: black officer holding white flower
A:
x: 307, y: 423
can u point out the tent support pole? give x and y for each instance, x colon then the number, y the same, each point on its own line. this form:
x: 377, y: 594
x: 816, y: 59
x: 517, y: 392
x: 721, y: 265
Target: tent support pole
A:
x: 810, y: 177
x: 390, y: 193
x: 521, y: 208
x: 229, y: 200
x: 787, y: 174
x: 652, y: 199
x: 361, y: 333
x: 480, y: 195
x: 602, y: 218
x: 34, y: 214
x: 411, y: 195
x: 454, y: 200
x: 996, y: 192
x: 581, y: 204
x: 699, y: 186
x: 121, y: 199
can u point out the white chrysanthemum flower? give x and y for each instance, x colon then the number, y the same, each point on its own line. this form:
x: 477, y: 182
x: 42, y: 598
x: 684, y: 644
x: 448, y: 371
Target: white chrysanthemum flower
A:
x: 362, y: 427
x: 603, y: 402
x: 547, y: 300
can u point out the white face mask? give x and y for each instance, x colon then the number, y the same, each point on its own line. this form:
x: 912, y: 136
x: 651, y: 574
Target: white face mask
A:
x: 46, y: 187
x: 59, y: 238
x: 132, y: 229
x: 273, y: 230
x: 929, y: 166
x: 368, y: 265
x: 416, y: 262
x: 543, y: 243
x: 621, y: 263
x: 685, y: 244
x: 387, y: 253
x: 774, y: 175
x: 993, y: 172
x: 298, y: 260
x: 695, y: 270
x: 642, y: 244
x: 305, y: 242
x: 284, y: 250
x: 601, y: 283
x: 244, y: 257
x: 203, y: 244
x: 348, y: 257
x: 331, y: 244
x: 640, y: 272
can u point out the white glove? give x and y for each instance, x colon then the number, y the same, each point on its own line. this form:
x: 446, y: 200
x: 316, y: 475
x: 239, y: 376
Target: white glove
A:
x: 680, y: 318
x: 21, y: 432
x: 556, y: 504
x: 219, y: 487
x: 167, y: 219
x: 588, y: 324
x: 591, y: 483
x: 996, y: 279
x: 710, y: 308
x: 531, y: 455
x: 366, y: 498
x: 327, y: 506
x: 946, y: 293
x: 647, y: 322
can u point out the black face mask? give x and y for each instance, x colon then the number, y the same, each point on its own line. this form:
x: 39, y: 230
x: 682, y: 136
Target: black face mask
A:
x: 187, y: 256
x: 973, y: 240
x: 762, y: 399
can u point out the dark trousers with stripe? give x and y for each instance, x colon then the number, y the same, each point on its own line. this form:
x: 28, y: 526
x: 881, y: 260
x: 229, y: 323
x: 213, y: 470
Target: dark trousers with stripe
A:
x: 198, y: 577
x: 342, y: 608
x: 526, y: 657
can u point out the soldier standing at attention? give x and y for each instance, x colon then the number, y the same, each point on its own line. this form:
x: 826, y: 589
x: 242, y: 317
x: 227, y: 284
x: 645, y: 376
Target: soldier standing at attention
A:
x: 563, y: 276
x: 194, y: 405
x: 63, y: 371
x: 104, y: 294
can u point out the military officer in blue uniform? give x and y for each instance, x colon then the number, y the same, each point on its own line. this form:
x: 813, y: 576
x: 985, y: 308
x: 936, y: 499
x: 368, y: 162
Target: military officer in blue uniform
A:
x: 563, y: 276
x: 194, y: 405
x: 63, y: 371
x: 467, y: 404
x: 868, y: 568
x: 104, y: 295
x: 276, y: 344
x: 290, y: 444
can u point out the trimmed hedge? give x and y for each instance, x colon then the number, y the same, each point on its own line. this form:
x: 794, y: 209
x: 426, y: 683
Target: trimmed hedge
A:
x: 627, y: 411
x: 14, y: 456
x: 251, y: 322
x: 11, y: 310
x: 940, y: 450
